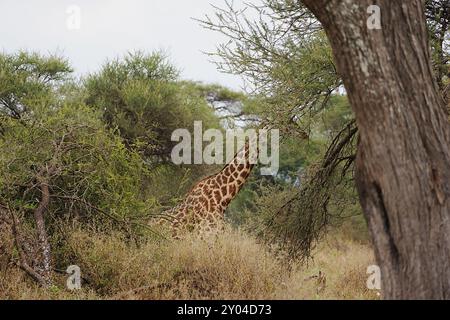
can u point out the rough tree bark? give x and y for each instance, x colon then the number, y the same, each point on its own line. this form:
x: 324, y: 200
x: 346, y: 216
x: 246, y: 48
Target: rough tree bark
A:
x: 403, y: 160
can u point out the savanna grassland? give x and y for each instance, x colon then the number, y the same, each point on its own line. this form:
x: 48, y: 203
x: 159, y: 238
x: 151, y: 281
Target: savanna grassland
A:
x: 231, y: 266
x: 86, y: 169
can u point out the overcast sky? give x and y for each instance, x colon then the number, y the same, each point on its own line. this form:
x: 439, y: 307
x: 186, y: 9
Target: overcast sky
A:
x: 109, y: 28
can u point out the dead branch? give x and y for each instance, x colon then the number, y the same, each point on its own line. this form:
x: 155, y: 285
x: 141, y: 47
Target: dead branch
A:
x: 23, y: 261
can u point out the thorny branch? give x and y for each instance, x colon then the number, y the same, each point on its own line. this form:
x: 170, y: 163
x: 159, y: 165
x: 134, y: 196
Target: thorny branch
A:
x: 303, y: 217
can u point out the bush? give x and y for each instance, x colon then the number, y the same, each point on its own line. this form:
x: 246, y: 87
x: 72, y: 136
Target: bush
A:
x: 140, y: 95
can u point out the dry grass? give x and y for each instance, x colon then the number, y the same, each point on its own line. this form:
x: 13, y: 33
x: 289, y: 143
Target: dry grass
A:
x: 342, y: 264
x: 231, y: 266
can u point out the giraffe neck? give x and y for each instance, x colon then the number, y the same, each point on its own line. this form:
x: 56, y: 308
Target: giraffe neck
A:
x: 234, y: 175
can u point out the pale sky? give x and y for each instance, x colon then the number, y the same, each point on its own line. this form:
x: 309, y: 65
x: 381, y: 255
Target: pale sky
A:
x: 110, y: 28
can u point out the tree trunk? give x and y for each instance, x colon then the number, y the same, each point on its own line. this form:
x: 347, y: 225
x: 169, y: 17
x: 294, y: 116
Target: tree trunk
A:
x: 44, y: 245
x: 403, y: 161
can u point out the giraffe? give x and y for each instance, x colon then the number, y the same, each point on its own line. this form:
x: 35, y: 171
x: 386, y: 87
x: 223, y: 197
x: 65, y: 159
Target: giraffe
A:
x: 202, y: 209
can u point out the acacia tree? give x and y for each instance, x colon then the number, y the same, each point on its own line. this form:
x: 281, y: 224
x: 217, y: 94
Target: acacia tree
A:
x: 404, y: 139
x: 59, y: 162
x: 141, y: 95
x: 403, y: 160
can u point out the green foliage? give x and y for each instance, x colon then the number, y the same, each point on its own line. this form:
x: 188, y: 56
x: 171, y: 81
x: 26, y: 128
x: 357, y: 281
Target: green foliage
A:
x: 288, y: 62
x: 139, y: 95
x: 220, y: 93
x: 93, y: 169
x: 26, y: 79
x: 324, y: 196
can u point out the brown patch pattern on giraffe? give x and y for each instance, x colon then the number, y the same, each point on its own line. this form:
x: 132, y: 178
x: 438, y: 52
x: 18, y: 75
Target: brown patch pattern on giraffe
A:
x: 204, y: 206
